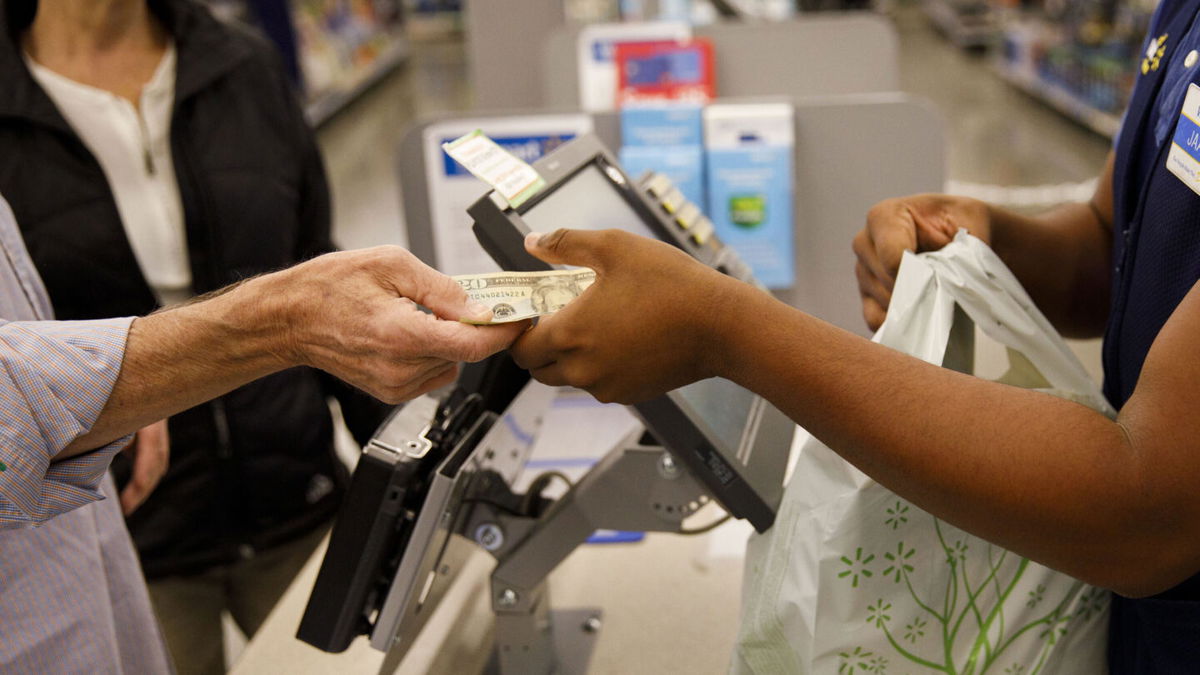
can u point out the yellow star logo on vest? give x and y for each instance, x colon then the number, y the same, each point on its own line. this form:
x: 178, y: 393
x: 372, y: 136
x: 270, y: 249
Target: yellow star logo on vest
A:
x: 1154, y: 54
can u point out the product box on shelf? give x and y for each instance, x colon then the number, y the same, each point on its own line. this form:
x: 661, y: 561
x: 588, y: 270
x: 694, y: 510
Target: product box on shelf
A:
x: 662, y: 124
x: 668, y: 138
x: 749, y: 149
x: 669, y: 70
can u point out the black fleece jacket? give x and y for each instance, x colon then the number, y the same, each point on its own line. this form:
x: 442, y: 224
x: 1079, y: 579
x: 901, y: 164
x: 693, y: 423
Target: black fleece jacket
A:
x: 254, y: 468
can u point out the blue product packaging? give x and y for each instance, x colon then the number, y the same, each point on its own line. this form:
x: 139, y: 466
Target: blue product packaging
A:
x: 683, y: 164
x: 668, y: 138
x: 749, y: 150
x: 664, y: 124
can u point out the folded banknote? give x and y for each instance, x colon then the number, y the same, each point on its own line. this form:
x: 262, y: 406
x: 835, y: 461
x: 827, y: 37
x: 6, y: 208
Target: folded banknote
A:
x: 515, y: 296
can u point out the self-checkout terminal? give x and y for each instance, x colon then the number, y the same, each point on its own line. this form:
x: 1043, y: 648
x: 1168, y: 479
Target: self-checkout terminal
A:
x: 437, y: 479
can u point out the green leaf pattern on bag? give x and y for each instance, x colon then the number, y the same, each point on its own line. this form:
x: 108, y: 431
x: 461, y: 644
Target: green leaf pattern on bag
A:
x: 859, y: 567
x: 1035, y: 596
x: 899, y: 562
x: 855, y: 660
x: 1091, y: 603
x: 897, y: 515
x: 967, y: 609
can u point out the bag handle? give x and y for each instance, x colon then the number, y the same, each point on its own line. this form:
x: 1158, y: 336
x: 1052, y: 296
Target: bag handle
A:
x: 968, y: 275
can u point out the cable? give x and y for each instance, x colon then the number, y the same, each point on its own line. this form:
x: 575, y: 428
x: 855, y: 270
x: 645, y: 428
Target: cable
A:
x: 538, y: 484
x: 496, y: 505
x: 545, y: 477
x: 525, y: 509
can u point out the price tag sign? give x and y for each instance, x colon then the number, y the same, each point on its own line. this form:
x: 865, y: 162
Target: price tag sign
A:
x: 515, y: 180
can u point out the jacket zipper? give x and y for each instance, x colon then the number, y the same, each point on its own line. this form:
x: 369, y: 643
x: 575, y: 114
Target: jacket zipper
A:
x: 197, y: 218
x: 186, y: 177
x: 147, y: 154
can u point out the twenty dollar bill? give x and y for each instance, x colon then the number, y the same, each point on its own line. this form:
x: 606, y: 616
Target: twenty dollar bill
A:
x: 514, y: 296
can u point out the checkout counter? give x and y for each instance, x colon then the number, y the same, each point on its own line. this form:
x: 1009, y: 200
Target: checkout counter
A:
x: 444, y: 559
x: 438, y: 481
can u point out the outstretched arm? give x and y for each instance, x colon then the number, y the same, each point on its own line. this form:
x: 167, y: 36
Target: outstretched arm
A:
x: 353, y: 314
x: 71, y: 391
x: 1113, y: 503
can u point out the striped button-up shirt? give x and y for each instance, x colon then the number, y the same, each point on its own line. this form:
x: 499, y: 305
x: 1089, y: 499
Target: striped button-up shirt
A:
x: 72, y: 599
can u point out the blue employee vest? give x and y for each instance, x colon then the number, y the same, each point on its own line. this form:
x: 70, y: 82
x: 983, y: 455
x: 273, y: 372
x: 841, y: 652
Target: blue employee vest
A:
x: 1156, y: 261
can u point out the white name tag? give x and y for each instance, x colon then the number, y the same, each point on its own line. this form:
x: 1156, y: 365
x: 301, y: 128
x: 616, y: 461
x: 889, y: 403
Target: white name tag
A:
x: 1183, y: 159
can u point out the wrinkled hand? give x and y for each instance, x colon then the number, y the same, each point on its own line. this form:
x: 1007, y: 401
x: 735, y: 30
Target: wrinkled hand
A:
x: 649, y: 324
x: 355, y: 315
x: 918, y: 223
x: 150, y: 454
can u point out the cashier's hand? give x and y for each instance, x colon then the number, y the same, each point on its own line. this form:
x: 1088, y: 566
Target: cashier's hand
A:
x: 356, y: 315
x: 149, y: 454
x: 648, y: 324
x: 916, y: 223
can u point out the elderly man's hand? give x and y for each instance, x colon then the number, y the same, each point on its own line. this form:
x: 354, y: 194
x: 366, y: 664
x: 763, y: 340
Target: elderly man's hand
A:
x: 652, y: 321
x: 355, y: 315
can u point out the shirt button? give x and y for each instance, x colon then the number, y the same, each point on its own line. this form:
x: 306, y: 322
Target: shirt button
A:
x: 1190, y: 59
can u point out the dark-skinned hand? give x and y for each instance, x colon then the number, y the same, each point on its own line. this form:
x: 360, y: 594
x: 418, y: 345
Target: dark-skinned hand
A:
x: 651, y: 322
x: 917, y: 223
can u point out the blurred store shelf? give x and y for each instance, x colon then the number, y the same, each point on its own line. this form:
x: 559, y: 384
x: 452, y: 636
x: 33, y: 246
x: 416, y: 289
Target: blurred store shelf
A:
x: 321, y: 107
x: 334, y: 50
x: 966, y: 23
x: 1061, y: 99
x: 1079, y: 57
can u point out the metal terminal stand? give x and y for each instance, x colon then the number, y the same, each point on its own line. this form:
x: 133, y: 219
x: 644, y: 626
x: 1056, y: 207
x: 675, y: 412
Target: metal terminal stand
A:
x: 634, y: 487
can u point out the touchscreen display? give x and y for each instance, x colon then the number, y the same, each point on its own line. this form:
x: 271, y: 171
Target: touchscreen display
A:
x: 586, y: 201
x: 589, y: 201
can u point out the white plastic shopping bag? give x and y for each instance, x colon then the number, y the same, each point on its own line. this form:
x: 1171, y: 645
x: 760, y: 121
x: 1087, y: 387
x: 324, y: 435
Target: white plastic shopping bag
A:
x: 854, y: 579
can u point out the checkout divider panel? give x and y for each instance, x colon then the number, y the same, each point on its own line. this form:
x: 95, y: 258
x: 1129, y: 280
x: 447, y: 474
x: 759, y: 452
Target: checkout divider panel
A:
x: 851, y: 151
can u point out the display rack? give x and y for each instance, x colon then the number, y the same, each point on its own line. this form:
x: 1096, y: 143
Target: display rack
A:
x: 345, y: 46
x: 334, y: 49
x: 428, y: 20
x: 1061, y: 99
x: 966, y: 23
x: 320, y: 108
x: 1079, y: 57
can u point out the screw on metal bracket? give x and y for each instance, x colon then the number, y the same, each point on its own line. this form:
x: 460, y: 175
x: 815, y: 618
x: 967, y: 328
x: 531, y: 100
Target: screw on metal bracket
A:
x: 667, y: 468
x: 592, y: 625
x: 508, y: 598
x: 489, y: 536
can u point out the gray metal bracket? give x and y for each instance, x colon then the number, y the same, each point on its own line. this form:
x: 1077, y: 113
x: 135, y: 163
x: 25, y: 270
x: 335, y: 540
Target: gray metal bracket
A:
x: 634, y: 487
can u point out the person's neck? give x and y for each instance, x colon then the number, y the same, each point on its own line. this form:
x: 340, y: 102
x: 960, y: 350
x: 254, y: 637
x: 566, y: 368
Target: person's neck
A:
x: 114, y: 45
x: 82, y: 29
